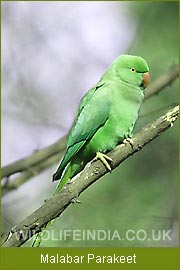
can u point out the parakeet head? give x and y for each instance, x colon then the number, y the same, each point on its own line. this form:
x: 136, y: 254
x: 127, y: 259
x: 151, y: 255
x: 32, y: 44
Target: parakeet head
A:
x: 132, y: 69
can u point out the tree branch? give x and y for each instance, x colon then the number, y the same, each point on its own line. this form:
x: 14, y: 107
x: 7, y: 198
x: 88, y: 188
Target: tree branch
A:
x: 29, y: 173
x: 54, y: 207
x: 164, y: 80
x: 37, y: 157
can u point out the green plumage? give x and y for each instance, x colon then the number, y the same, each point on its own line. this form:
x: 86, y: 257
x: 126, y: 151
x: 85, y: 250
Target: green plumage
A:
x: 106, y: 115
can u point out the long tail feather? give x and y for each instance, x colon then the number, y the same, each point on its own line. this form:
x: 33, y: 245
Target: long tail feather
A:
x: 65, y: 178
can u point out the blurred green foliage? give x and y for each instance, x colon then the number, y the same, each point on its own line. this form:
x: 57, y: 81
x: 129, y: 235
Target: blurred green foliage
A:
x: 143, y: 192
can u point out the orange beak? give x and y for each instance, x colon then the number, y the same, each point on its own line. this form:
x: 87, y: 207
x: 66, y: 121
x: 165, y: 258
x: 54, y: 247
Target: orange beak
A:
x: 145, y: 79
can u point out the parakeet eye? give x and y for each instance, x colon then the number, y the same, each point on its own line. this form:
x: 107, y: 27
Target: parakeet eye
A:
x: 133, y: 70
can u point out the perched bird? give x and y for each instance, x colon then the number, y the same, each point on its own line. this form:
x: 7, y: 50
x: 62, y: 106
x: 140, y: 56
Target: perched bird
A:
x: 106, y: 116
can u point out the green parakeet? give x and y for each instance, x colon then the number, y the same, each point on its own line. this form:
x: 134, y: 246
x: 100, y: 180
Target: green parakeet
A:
x: 106, y: 115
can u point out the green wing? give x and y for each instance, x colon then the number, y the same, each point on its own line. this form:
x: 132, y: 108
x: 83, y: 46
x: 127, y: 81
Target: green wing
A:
x: 93, y: 113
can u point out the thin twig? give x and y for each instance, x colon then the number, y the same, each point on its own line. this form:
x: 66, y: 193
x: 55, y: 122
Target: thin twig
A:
x: 163, y: 81
x: 29, y: 173
x: 35, y: 158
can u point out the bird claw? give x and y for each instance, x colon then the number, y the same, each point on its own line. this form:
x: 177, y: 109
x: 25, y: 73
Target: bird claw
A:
x: 170, y: 119
x: 130, y: 141
x: 104, y: 159
x: 74, y: 200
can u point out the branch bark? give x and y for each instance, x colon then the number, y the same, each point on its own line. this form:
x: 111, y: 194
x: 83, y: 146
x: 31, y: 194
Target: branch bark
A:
x: 54, y: 207
x: 164, y: 80
x: 29, y: 173
x: 37, y: 157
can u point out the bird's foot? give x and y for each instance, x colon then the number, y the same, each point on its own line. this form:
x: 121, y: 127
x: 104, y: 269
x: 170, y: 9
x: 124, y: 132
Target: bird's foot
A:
x: 130, y: 141
x: 170, y: 119
x: 74, y: 200
x: 104, y: 159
